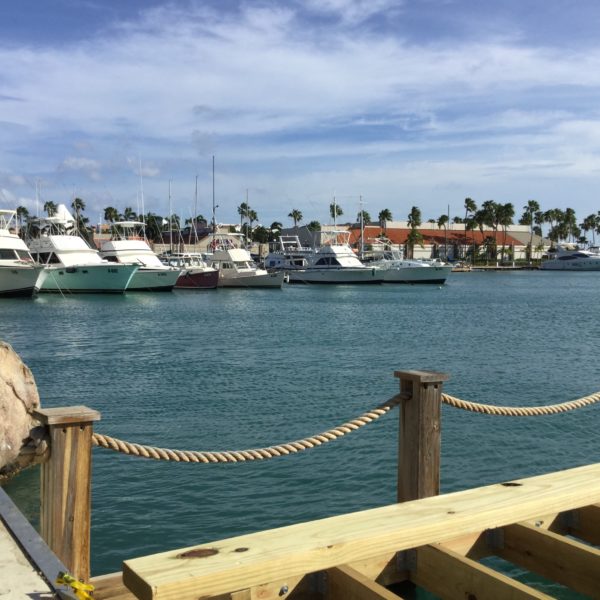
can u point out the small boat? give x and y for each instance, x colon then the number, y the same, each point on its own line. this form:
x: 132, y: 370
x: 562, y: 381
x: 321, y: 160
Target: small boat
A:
x: 128, y: 245
x: 72, y: 266
x: 236, y: 267
x: 288, y: 255
x: 576, y: 259
x: 19, y: 274
x: 195, y: 273
x: 335, y: 263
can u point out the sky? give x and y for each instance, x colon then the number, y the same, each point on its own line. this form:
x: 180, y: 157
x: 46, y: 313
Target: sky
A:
x: 380, y: 104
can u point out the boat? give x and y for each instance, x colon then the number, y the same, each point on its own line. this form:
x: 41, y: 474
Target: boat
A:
x: 236, y: 267
x: 19, y: 274
x: 128, y: 245
x: 287, y: 255
x: 195, y: 273
x: 397, y: 269
x: 72, y: 266
x: 335, y: 263
x: 572, y: 259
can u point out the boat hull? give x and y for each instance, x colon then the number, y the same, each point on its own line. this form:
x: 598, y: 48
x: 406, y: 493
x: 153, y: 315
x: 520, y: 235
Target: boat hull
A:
x: 252, y: 280
x: 20, y: 280
x: 88, y: 279
x: 343, y: 276
x: 148, y: 279
x: 410, y: 275
x: 198, y: 279
x: 558, y: 265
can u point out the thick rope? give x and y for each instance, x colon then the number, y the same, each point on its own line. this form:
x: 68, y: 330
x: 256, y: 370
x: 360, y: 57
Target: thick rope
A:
x: 520, y: 411
x: 233, y: 456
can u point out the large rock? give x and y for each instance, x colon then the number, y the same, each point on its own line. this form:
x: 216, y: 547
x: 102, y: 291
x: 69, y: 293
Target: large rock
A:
x: 20, y: 435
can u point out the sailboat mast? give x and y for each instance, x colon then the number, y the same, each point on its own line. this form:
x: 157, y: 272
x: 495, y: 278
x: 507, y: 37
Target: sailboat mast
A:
x: 170, y: 221
x: 362, y: 229
x: 214, y: 225
x: 194, y: 222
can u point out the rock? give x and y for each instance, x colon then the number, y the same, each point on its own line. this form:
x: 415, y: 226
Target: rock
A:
x: 20, y: 442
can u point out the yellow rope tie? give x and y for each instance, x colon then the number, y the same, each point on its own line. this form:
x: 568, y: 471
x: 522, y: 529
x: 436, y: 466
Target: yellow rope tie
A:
x: 233, y: 456
x: 521, y: 411
x: 81, y: 589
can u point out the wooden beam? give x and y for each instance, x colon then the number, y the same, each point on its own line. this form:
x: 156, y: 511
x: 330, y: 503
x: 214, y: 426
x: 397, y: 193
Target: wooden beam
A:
x: 66, y: 486
x: 250, y: 560
x: 383, y: 569
x: 451, y: 576
x: 111, y: 587
x: 586, y: 524
x: 345, y: 583
x: 553, y: 556
x: 419, y: 441
x: 471, y: 545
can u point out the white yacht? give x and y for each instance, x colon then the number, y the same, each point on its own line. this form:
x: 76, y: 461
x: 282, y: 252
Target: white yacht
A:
x: 335, y: 263
x: 71, y: 265
x: 19, y: 274
x: 237, y: 269
x: 128, y: 245
x: 565, y: 259
x: 288, y: 255
x: 397, y: 269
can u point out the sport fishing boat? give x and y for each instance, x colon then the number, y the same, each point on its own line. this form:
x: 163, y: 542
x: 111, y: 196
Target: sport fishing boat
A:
x: 335, y: 263
x: 397, y: 269
x: 128, y: 244
x: 195, y: 273
x: 288, y: 255
x: 19, y: 274
x: 565, y: 259
x: 237, y: 269
x: 72, y: 266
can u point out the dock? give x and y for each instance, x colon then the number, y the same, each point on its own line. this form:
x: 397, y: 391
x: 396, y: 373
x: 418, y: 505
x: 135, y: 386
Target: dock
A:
x: 548, y: 526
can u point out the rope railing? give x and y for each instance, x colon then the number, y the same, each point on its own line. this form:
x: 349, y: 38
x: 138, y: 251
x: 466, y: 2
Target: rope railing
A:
x: 234, y: 456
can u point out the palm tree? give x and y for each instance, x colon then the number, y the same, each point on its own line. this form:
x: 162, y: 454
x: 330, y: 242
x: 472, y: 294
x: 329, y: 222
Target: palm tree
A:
x: 414, y: 236
x: 243, y: 209
x: 443, y: 222
x: 22, y: 215
x: 50, y: 208
x: 366, y: 217
x: 529, y: 211
x: 384, y: 216
x: 470, y: 209
x: 111, y: 214
x: 296, y: 216
x: 129, y: 214
x: 505, y: 214
x: 335, y: 210
x: 252, y: 217
x: 314, y: 226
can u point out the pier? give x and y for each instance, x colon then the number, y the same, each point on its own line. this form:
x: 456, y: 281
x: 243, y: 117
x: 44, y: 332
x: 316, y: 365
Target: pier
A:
x: 548, y: 525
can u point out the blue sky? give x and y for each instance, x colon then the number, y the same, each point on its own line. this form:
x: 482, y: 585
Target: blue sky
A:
x: 400, y: 103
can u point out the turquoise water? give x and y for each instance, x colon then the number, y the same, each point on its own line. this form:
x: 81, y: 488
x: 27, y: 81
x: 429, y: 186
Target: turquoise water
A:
x: 231, y: 369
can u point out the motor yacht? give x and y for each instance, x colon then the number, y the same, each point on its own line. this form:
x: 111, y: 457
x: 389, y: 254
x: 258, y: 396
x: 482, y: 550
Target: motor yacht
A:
x: 574, y: 259
x: 19, y: 274
x: 288, y: 255
x: 72, y: 266
x: 128, y: 245
x: 335, y: 263
x: 397, y: 269
x: 195, y: 273
x: 237, y: 269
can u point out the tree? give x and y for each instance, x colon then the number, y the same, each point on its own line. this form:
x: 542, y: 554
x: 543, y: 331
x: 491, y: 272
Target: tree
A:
x: 443, y: 222
x: 111, y: 214
x: 261, y: 235
x: 414, y: 236
x: 50, y: 208
x: 314, y: 226
x: 296, y: 216
x: 275, y: 230
x: 366, y: 217
x: 384, y: 216
x: 504, y: 216
x: 22, y: 215
x: 589, y: 224
x: 470, y: 209
x: 527, y: 218
x: 243, y: 209
x: 335, y: 210
x: 129, y: 214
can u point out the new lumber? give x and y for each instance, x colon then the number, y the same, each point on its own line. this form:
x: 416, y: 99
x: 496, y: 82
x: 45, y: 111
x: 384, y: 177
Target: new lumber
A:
x: 247, y: 561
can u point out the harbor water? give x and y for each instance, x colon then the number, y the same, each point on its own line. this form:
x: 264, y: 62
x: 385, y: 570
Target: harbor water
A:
x: 237, y: 369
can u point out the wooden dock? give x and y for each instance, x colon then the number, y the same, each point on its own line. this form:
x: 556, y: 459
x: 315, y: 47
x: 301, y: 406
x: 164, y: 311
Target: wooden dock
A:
x: 548, y: 525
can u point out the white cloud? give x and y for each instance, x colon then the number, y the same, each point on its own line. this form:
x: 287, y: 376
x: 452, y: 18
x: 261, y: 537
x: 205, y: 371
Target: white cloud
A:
x: 89, y: 166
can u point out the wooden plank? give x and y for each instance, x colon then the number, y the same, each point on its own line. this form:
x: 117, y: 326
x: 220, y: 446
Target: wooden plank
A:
x: 471, y: 545
x: 307, y: 547
x: 586, y: 524
x: 553, y: 556
x: 111, y: 587
x: 345, y: 583
x: 419, y: 442
x: 383, y: 569
x: 454, y: 577
x: 66, y: 414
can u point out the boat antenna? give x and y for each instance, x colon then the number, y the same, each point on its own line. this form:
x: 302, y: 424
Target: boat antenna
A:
x: 142, y: 195
x: 214, y: 223
x: 194, y: 224
x: 170, y: 221
x: 362, y: 228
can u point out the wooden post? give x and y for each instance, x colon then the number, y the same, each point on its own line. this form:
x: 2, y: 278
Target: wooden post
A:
x: 420, y: 435
x: 66, y: 486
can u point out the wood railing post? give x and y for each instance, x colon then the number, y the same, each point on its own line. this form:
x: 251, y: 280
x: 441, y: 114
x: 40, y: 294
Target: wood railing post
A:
x: 419, y: 443
x: 65, y: 511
